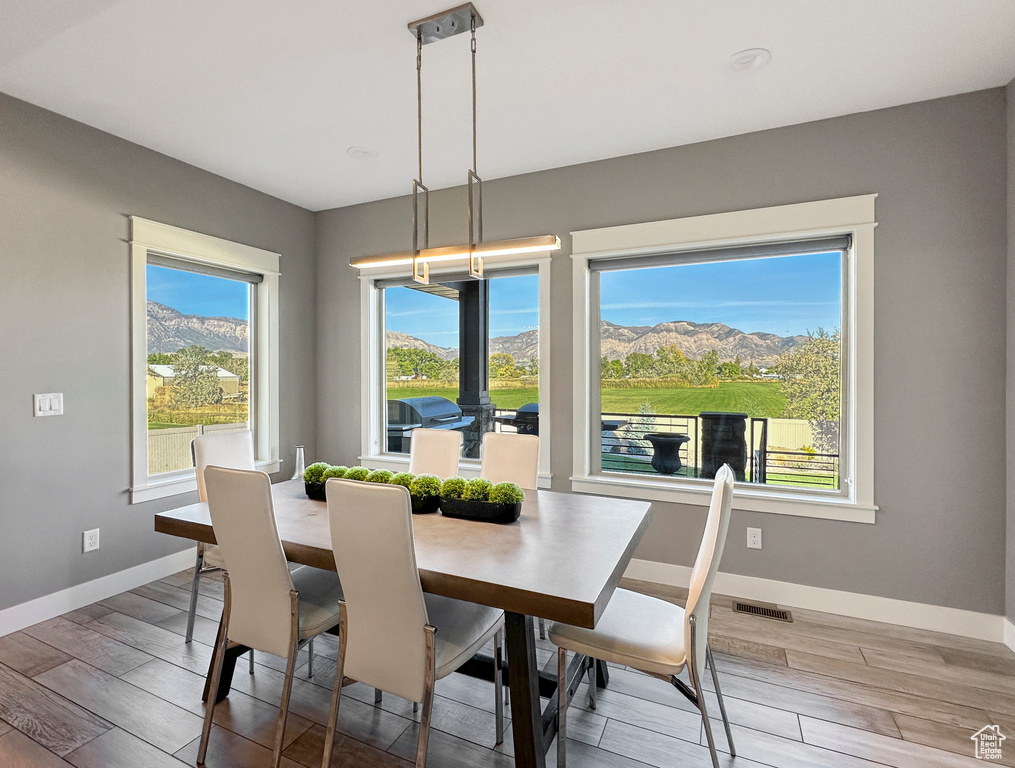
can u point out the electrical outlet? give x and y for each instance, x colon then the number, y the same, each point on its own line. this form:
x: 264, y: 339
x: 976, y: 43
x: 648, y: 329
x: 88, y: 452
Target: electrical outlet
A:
x: 90, y: 540
x: 754, y: 538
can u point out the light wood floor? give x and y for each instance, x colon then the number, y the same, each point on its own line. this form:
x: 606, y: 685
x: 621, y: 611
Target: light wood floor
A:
x: 113, y: 685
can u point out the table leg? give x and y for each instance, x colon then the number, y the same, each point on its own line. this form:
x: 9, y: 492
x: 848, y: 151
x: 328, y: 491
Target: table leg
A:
x: 228, y: 667
x: 526, y: 717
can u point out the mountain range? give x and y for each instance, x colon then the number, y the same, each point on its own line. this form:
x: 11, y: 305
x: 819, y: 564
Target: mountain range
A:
x: 169, y: 330
x: 618, y: 341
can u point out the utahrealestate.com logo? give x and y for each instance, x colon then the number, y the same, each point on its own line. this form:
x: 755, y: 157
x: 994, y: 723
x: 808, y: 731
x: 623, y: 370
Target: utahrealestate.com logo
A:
x: 988, y: 742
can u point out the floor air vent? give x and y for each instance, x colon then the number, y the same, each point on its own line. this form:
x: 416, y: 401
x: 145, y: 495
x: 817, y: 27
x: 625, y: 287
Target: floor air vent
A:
x: 766, y: 610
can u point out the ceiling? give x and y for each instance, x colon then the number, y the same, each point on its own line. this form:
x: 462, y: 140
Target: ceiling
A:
x: 273, y: 94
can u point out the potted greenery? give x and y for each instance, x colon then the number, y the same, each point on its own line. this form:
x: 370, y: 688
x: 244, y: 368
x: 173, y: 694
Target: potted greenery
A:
x: 380, y: 476
x: 403, y: 479
x: 478, y: 499
x: 357, y: 473
x: 313, y: 480
x: 425, y: 491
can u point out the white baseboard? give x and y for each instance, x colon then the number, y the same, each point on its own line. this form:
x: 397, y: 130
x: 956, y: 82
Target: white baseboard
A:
x: 49, y: 606
x: 1009, y: 634
x: 954, y: 621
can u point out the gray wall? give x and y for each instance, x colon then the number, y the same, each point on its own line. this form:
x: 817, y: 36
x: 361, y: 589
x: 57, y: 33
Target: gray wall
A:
x: 1010, y: 382
x: 66, y: 191
x: 940, y: 315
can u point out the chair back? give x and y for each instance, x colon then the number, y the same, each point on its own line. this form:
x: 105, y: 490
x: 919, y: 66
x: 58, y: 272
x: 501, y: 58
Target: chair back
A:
x: 705, y: 566
x: 234, y: 450
x: 435, y: 452
x: 510, y: 458
x: 243, y: 517
x: 371, y: 536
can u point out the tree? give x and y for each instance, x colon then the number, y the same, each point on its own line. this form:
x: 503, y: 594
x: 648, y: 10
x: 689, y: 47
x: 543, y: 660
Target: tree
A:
x: 610, y: 369
x: 195, y: 381
x: 729, y: 370
x: 670, y: 361
x: 501, y: 365
x: 810, y: 378
x: 702, y: 373
x: 160, y: 358
x: 638, y: 365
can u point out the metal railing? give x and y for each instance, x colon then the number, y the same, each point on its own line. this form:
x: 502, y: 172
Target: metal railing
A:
x: 625, y: 448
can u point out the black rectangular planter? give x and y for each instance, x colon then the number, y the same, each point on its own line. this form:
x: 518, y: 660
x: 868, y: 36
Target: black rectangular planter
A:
x: 485, y: 511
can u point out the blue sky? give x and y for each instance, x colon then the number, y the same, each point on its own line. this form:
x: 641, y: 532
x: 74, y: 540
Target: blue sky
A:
x: 514, y: 308
x: 194, y: 294
x: 785, y: 295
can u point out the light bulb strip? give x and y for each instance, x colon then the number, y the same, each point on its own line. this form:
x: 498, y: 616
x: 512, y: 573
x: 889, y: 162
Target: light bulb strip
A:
x: 516, y: 247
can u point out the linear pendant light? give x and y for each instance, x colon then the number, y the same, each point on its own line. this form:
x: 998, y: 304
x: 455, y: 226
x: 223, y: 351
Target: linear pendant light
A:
x: 431, y: 29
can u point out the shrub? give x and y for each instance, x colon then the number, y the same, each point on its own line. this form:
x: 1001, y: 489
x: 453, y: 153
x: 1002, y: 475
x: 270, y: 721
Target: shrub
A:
x: 315, y: 472
x: 403, y: 478
x: 425, y: 485
x: 331, y: 472
x: 453, y: 488
x: 477, y: 489
x: 506, y: 493
x: 380, y: 476
x: 357, y: 473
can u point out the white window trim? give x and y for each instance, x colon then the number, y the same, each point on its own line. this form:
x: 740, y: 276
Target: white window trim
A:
x: 851, y: 215
x: 184, y: 245
x: 372, y: 364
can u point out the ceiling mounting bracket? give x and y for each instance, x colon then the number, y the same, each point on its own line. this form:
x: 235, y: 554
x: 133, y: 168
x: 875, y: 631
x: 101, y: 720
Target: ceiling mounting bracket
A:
x: 446, y: 23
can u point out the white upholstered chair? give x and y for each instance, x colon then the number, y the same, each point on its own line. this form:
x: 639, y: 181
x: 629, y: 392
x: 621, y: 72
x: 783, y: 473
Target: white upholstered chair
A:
x: 655, y: 636
x: 510, y: 458
x: 222, y: 449
x: 435, y: 452
x: 392, y: 637
x: 266, y: 607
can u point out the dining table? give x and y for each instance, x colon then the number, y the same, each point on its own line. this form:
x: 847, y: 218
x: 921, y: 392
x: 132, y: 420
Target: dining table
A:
x: 561, y: 561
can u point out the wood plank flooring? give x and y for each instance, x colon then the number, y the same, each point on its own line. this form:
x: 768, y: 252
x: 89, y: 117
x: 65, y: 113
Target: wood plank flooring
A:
x: 113, y: 685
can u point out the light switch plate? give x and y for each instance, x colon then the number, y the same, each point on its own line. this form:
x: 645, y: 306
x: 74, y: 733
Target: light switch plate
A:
x: 50, y: 404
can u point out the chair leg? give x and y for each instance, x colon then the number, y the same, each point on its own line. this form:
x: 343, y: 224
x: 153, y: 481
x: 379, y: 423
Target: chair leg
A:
x: 221, y: 642
x: 336, y: 691
x: 498, y: 684
x: 561, y: 708
x: 287, y: 685
x: 428, y: 685
x: 310, y: 659
x: 695, y: 674
x: 722, y: 704
x: 378, y: 696
x: 193, y: 594
x: 593, y: 691
x: 251, y: 660
x: 542, y: 629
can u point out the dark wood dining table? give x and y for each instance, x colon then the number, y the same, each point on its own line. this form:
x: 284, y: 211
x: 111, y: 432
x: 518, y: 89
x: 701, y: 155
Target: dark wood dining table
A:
x: 561, y: 561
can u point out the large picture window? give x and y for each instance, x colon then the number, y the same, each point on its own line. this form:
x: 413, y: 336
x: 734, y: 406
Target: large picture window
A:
x: 414, y: 358
x: 204, y: 351
x: 714, y: 341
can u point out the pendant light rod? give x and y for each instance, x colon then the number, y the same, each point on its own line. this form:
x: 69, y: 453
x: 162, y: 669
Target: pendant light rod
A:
x: 475, y: 183
x: 440, y: 26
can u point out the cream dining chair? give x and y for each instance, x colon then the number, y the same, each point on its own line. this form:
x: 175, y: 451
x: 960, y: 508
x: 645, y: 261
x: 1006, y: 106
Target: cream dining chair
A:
x: 655, y: 636
x: 510, y: 458
x: 266, y: 606
x: 392, y: 637
x: 223, y: 449
x: 435, y: 452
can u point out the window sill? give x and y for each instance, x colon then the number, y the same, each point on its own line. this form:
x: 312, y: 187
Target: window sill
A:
x: 467, y: 468
x: 179, y: 483
x: 744, y: 497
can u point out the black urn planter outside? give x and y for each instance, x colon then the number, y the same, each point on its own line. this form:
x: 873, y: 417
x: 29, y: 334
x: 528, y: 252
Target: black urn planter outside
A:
x: 485, y: 511
x: 666, y: 451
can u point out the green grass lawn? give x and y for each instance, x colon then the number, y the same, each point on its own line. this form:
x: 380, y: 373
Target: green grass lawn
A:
x: 757, y: 398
